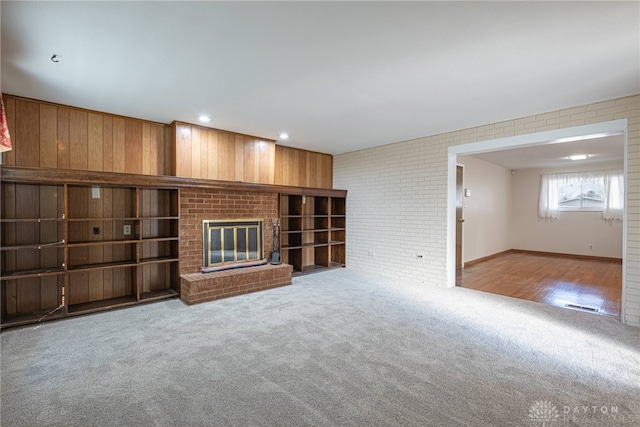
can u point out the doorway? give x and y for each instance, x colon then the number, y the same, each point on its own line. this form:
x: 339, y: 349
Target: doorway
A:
x: 548, y: 138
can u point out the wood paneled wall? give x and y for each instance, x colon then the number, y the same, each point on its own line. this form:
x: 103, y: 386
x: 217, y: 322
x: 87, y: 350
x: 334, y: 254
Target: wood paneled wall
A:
x: 49, y: 135
x: 54, y: 136
x: 303, y: 168
x: 207, y: 153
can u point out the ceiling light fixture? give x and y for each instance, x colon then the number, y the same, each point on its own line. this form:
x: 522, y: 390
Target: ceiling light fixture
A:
x: 204, y: 119
x: 284, y: 135
x: 578, y: 157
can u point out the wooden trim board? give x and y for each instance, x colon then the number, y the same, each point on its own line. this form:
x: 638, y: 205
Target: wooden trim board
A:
x: 540, y: 253
x: 58, y: 176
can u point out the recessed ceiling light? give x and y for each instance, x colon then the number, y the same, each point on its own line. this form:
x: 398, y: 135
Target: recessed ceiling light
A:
x: 284, y: 135
x: 578, y: 157
x: 204, y: 119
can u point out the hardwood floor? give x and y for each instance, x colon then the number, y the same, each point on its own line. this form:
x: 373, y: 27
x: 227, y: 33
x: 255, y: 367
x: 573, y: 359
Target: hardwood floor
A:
x: 595, y: 284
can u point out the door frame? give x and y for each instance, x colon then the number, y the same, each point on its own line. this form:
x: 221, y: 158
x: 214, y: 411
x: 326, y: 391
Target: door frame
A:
x: 459, y: 236
x: 558, y: 136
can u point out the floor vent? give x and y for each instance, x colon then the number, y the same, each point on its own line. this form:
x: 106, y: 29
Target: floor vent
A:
x: 582, y: 307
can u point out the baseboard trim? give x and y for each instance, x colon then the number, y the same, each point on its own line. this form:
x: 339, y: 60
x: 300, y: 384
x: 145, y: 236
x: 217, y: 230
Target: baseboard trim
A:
x: 487, y: 258
x: 540, y: 253
x: 571, y: 256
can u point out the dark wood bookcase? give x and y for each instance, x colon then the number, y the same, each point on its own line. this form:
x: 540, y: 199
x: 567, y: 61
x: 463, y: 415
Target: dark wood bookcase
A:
x: 72, y: 248
x: 313, y: 231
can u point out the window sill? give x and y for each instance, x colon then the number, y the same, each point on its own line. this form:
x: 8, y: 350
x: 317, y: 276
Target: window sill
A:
x: 580, y: 210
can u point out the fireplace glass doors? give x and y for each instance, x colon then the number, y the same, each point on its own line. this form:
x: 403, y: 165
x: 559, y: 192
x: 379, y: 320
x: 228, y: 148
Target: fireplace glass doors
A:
x: 231, y: 241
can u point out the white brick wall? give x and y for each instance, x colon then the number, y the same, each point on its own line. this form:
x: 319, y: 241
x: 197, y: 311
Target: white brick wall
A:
x: 397, y: 199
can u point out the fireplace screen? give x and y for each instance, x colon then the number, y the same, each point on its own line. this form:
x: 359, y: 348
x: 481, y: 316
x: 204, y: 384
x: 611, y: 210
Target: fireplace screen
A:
x: 231, y: 241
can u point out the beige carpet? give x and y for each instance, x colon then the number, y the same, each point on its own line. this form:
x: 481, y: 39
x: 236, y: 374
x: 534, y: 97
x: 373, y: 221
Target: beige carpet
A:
x: 337, y: 348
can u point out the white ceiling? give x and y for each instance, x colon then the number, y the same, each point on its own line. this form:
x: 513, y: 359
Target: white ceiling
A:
x: 338, y: 76
x: 599, y: 150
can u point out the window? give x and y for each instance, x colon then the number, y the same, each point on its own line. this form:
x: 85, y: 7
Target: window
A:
x: 581, y: 192
x: 587, y: 191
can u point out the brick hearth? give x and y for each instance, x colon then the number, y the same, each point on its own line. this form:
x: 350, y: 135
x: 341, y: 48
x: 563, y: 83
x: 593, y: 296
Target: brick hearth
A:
x: 198, y: 204
x: 201, y: 287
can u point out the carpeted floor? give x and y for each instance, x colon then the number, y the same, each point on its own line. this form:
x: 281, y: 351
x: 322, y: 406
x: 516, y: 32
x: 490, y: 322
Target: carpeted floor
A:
x: 337, y: 348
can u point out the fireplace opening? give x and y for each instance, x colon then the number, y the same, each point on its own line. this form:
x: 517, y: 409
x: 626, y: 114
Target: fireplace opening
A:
x: 231, y: 241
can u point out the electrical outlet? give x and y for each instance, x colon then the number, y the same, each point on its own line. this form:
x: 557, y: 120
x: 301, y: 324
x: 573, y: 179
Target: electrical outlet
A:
x: 96, y: 230
x: 127, y: 230
x: 420, y: 256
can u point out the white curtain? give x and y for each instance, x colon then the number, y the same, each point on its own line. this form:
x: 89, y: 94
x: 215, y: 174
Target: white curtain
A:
x: 548, y: 205
x: 613, y: 194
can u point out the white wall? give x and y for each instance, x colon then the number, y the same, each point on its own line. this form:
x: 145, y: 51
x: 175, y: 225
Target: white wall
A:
x: 487, y: 213
x: 502, y: 214
x: 580, y: 233
x: 397, y: 199
x: 396, y: 209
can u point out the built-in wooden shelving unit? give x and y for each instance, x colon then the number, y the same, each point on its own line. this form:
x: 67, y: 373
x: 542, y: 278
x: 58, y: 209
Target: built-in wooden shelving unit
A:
x: 313, y: 231
x: 71, y: 248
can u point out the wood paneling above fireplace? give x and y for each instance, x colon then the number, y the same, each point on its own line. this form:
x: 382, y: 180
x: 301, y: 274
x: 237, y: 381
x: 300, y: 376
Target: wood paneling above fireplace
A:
x: 207, y: 153
x: 47, y: 135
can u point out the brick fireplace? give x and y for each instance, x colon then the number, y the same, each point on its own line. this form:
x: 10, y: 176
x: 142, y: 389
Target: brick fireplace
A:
x: 201, y: 204
x: 198, y: 206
